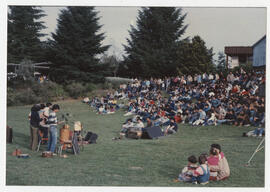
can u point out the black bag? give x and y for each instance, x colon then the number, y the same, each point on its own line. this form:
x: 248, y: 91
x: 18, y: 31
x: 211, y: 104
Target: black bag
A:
x: 91, y: 137
x: 152, y: 133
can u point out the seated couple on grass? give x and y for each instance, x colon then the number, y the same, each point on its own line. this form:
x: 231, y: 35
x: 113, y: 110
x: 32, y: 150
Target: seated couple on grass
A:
x: 213, y: 167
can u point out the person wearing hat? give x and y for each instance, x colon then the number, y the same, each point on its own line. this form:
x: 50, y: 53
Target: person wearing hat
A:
x: 221, y: 167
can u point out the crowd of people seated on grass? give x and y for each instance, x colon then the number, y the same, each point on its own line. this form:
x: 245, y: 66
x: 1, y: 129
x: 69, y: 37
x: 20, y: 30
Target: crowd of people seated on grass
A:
x: 207, y: 99
x: 106, y: 104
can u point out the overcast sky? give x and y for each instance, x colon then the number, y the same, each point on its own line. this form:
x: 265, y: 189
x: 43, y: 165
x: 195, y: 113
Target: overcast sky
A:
x: 218, y: 27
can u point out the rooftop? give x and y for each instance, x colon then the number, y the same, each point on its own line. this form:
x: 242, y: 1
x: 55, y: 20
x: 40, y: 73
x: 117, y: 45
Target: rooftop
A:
x: 238, y: 50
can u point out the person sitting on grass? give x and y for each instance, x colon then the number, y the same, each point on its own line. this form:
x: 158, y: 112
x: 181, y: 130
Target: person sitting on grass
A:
x: 86, y: 100
x: 161, y: 120
x: 171, y: 128
x: 212, y: 120
x: 213, y: 160
x: 178, y: 118
x: 100, y: 109
x: 127, y: 126
x: 222, y: 167
x: 188, y: 171
x: 139, y: 125
x: 241, y: 119
x: 111, y: 110
x: 202, y: 116
x: 149, y: 123
x: 131, y: 110
x: 201, y: 174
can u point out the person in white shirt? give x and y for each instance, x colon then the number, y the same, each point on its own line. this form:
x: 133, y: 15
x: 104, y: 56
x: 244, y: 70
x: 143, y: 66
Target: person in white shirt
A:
x: 47, y: 110
x: 139, y: 125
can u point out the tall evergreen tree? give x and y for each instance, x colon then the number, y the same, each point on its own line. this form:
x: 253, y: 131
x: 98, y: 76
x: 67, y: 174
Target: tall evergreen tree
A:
x: 24, y: 33
x: 151, y: 49
x: 221, y: 65
x: 75, y: 46
x: 194, y: 57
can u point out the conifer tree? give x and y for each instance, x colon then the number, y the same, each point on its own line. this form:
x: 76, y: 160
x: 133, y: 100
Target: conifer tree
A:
x: 24, y: 34
x: 151, y: 49
x: 76, y: 45
x: 194, y: 57
x: 221, y: 65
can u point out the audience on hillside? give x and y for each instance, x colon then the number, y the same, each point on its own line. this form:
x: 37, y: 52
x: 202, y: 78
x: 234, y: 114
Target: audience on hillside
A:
x: 207, y: 99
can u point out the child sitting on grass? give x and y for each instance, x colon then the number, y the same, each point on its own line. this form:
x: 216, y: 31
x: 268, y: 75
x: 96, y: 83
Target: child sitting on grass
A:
x: 201, y: 174
x: 187, y: 172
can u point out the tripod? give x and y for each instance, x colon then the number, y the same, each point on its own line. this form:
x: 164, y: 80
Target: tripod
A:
x: 256, y: 150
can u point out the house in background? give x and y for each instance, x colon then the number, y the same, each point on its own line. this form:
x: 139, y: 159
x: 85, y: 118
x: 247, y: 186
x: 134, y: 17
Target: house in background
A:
x: 236, y: 55
x: 255, y: 54
x: 259, y: 53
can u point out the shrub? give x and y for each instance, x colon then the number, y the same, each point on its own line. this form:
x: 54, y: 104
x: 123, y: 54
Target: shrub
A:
x: 106, y: 85
x: 55, y: 89
x: 34, y: 93
x: 48, y: 91
x: 75, y: 89
x: 89, y: 87
x: 21, y: 97
x: 10, y: 96
x: 27, y: 96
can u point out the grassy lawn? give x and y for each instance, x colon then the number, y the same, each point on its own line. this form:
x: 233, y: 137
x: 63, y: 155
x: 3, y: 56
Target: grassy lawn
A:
x: 129, y: 162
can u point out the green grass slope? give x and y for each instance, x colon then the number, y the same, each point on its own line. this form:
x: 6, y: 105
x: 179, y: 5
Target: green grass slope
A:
x: 128, y: 162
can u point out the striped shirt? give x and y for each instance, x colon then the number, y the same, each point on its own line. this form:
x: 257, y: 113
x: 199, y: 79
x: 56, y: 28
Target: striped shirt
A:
x: 52, y: 120
x: 199, y: 170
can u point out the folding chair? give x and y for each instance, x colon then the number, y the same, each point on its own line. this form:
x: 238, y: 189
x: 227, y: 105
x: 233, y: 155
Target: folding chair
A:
x: 41, y: 139
x: 78, y: 130
x: 66, y: 144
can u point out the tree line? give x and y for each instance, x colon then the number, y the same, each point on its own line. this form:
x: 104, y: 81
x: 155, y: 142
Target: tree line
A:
x: 155, y: 48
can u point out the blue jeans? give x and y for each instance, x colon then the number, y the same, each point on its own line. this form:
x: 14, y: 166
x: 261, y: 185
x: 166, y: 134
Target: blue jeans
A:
x: 259, y: 131
x: 53, y: 138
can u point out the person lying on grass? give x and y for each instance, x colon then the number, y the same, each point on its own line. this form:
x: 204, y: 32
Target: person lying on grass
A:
x: 258, y: 132
x: 218, y: 163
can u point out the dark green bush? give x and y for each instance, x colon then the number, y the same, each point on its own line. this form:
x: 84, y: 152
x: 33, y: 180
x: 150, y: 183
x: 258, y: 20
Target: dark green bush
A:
x: 21, y: 97
x: 75, y: 90
x: 32, y: 92
x: 10, y: 96
x: 89, y: 87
